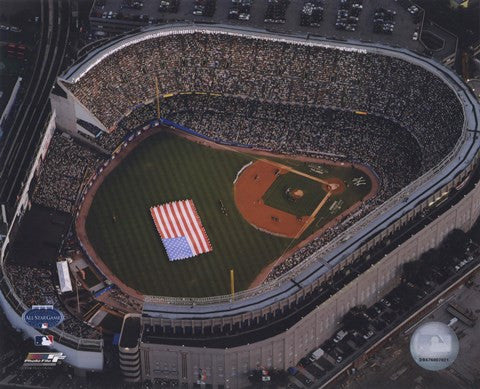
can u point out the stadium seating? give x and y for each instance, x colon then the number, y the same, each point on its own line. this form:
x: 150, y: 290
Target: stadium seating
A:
x: 270, y: 94
x: 287, y: 98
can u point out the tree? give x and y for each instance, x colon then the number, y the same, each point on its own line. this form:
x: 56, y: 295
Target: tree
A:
x: 455, y: 243
x: 430, y: 257
x: 355, y: 319
x: 279, y: 377
x: 407, y: 294
x: 411, y: 271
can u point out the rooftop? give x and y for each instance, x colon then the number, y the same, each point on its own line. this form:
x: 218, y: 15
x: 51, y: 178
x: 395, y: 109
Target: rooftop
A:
x: 130, y: 332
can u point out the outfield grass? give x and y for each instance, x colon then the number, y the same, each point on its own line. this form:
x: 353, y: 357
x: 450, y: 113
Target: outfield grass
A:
x: 165, y: 168
x: 276, y: 196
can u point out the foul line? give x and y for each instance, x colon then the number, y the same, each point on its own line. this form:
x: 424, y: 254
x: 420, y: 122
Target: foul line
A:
x: 290, y: 169
x: 311, y: 218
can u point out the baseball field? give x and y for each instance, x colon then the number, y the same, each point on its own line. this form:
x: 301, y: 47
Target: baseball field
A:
x: 166, y: 167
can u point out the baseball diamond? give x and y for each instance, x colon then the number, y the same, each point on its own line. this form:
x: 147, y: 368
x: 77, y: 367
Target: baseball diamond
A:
x: 247, y: 235
x: 264, y: 195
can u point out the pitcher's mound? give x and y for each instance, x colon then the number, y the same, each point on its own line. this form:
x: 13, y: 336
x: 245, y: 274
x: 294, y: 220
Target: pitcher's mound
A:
x: 295, y: 194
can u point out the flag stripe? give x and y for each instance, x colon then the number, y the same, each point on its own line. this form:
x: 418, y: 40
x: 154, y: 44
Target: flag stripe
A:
x: 177, y: 216
x: 159, y: 223
x: 172, y: 221
x: 200, y: 225
x: 162, y: 223
x: 197, y: 227
x: 166, y: 223
x: 164, y: 232
x: 190, y: 228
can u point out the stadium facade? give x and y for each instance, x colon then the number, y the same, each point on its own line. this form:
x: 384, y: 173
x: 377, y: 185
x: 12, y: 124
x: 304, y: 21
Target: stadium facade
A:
x: 219, y: 340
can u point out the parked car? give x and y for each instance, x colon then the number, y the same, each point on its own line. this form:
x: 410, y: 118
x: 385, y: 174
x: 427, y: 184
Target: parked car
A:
x: 318, y: 353
x: 304, y: 362
x: 378, y: 308
x: 292, y: 370
x: 386, y: 303
x: 368, y: 335
x: 340, y: 335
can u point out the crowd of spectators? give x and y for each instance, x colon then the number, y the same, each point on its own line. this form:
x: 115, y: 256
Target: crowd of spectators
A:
x: 292, y: 99
x: 66, y: 166
x: 393, y: 153
x: 273, y: 71
x: 137, y: 117
x: 34, y: 286
x: 283, y: 97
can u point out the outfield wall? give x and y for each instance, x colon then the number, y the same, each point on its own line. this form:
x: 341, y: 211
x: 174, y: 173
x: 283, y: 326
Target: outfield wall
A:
x: 129, y: 138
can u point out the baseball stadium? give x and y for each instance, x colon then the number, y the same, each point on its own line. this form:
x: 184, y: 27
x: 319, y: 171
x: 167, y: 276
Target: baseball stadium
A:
x: 234, y: 192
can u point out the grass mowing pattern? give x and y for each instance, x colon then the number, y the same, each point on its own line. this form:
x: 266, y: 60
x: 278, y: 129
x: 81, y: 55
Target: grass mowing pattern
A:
x: 166, y: 168
x: 276, y: 197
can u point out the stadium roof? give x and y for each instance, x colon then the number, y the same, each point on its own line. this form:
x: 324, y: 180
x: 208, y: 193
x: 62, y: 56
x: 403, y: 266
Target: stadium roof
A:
x: 64, y: 277
x: 130, y: 332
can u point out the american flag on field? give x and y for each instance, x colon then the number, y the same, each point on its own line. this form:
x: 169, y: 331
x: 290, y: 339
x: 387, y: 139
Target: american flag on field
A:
x: 181, y: 230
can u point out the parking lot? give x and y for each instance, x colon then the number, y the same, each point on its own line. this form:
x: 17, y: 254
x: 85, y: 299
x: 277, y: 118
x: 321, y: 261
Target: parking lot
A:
x: 347, y: 345
x: 402, y: 33
x: 392, y: 367
x: 337, y: 352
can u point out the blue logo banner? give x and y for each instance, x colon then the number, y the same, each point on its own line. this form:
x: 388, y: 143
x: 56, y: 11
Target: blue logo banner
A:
x: 43, y: 316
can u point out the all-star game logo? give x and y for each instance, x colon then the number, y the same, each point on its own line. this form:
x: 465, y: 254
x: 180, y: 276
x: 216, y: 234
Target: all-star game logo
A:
x: 43, y: 316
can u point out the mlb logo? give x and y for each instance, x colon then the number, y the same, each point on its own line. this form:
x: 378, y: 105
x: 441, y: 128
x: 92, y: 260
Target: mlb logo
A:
x: 44, y: 325
x: 43, y: 340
